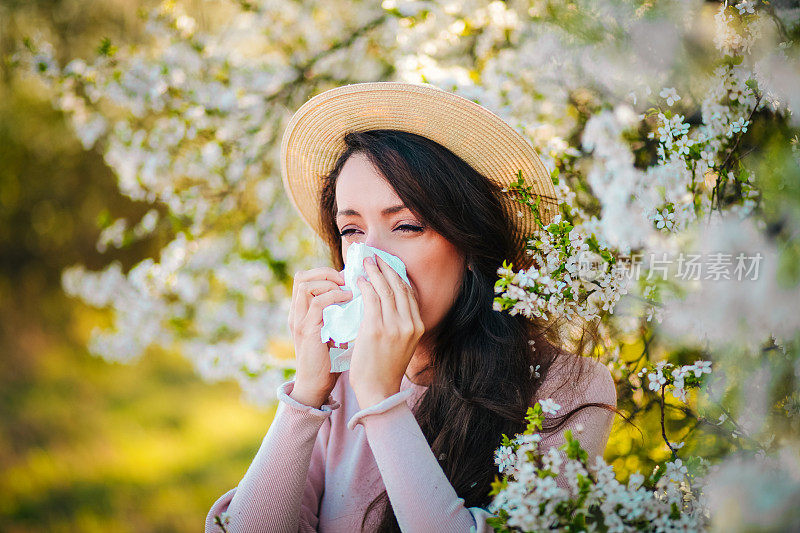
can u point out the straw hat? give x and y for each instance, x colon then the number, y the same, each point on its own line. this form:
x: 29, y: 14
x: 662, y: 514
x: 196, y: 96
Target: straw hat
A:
x: 314, y: 139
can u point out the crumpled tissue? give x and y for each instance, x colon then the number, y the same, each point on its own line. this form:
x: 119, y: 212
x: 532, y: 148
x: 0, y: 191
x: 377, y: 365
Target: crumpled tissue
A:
x: 340, y: 322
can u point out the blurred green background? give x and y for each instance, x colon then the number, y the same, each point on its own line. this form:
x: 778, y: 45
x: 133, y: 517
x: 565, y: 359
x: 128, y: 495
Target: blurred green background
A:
x: 86, y: 444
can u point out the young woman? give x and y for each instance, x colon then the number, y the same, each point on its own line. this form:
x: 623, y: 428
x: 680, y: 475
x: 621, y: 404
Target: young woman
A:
x: 404, y: 440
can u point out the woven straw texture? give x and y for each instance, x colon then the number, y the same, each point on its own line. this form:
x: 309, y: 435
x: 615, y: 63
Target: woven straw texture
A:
x: 314, y: 139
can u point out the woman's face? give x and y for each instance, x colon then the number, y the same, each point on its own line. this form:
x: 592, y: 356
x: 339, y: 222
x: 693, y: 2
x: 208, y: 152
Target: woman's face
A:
x: 370, y: 211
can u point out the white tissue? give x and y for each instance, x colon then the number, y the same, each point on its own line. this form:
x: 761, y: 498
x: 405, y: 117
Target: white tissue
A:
x: 340, y: 322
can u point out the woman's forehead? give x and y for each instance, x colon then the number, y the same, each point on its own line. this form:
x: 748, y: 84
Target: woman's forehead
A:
x: 360, y: 186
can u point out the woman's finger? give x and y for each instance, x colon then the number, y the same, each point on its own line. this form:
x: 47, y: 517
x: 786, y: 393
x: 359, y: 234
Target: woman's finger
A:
x: 383, y: 290
x: 305, y: 291
x: 372, y: 302
x: 321, y: 273
x: 318, y: 303
x: 401, y: 291
x: 300, y: 305
x: 413, y: 304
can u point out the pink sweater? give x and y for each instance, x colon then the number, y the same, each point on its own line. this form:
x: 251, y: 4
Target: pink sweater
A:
x: 318, y: 469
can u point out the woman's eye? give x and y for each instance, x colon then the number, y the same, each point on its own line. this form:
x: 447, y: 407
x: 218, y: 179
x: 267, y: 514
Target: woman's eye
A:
x: 409, y: 227
x: 402, y: 227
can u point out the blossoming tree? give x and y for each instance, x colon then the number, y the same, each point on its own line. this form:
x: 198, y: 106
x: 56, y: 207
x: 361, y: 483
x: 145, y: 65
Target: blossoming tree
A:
x: 670, y: 133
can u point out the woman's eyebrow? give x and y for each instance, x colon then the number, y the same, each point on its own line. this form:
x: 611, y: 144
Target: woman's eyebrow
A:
x: 387, y: 211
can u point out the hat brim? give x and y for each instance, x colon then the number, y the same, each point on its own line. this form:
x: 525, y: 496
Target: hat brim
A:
x: 314, y: 139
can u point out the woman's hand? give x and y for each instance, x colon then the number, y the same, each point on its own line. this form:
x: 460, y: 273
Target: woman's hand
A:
x: 312, y: 291
x: 388, y: 335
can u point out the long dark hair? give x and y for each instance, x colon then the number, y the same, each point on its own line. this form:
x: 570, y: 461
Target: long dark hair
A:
x: 480, y: 359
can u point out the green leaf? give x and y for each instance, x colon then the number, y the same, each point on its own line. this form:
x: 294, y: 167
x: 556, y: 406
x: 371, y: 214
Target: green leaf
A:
x: 498, y: 485
x: 573, y: 448
x: 28, y: 43
x: 658, y: 471
x: 534, y: 417
x: 103, y: 219
x: 106, y: 48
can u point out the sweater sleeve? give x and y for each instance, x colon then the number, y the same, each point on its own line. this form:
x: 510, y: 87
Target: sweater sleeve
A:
x: 420, y: 493
x: 281, y: 488
x: 591, y: 425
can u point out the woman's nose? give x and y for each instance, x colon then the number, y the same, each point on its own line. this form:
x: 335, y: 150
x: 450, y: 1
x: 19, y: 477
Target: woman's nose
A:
x: 374, y: 240
x: 377, y: 241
